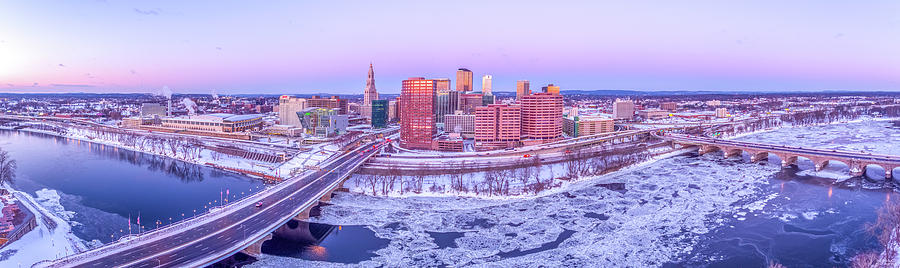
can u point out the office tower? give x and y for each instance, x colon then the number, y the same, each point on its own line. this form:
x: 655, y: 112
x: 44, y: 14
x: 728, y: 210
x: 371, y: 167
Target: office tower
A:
x: 463, y: 80
x: 497, y: 126
x: 442, y: 85
x: 446, y: 100
x: 488, y: 100
x: 550, y: 89
x: 392, y: 110
x: 417, y: 124
x: 542, y: 116
x: 468, y: 102
x: 446, y: 103
x: 379, y: 113
x: 464, y: 124
x: 287, y: 110
x: 522, y: 89
x: 486, y: 84
x: 623, y: 109
x: 369, y: 95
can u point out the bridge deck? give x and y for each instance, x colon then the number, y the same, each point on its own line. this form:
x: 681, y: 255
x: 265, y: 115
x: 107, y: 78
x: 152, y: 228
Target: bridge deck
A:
x: 207, y: 240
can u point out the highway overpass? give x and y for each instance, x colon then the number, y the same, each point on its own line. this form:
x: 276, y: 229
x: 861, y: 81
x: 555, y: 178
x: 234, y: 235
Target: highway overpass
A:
x: 224, y: 231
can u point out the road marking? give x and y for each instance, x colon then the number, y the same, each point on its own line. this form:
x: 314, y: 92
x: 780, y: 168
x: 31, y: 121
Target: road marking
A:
x: 241, y: 221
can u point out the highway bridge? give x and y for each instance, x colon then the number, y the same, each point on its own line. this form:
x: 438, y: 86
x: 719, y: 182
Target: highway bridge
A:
x: 857, y: 161
x: 223, y: 231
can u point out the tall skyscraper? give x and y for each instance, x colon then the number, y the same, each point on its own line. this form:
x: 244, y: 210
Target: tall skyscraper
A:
x: 446, y: 100
x: 463, y: 80
x: 522, y: 89
x: 417, y: 124
x: 542, y: 117
x: 445, y: 103
x: 486, y: 84
x: 370, y: 94
x: 550, y: 89
x: 623, y: 109
x: 442, y: 85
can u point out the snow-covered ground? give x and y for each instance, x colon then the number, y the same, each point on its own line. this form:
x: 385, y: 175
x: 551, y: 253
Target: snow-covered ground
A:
x: 44, y: 242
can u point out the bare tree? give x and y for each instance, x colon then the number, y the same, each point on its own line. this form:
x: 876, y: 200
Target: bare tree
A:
x: 887, y: 230
x: 7, y: 167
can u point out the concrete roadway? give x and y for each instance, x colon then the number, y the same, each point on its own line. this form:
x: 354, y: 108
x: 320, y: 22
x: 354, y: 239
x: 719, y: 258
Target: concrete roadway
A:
x: 796, y: 150
x: 218, y: 238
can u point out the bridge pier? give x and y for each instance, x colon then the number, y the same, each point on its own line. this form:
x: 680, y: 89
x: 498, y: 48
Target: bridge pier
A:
x: 857, y: 170
x: 326, y: 197
x: 756, y: 157
x: 303, y: 215
x: 820, y: 165
x: 706, y: 149
x: 888, y: 173
x: 787, y: 160
x: 255, y: 249
x: 730, y: 153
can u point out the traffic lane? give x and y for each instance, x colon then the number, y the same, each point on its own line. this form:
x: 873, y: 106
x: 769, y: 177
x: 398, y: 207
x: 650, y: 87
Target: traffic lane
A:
x: 263, y: 220
x: 197, y: 232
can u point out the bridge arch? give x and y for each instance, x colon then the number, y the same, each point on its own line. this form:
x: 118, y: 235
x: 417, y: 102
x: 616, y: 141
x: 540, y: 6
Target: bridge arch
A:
x: 788, y: 160
x: 888, y: 170
x: 708, y: 148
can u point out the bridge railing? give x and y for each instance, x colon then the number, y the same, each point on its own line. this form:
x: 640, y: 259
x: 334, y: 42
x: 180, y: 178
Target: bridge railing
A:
x: 156, y: 233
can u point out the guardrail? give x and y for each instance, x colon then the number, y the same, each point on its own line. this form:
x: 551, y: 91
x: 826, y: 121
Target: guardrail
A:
x: 161, y: 232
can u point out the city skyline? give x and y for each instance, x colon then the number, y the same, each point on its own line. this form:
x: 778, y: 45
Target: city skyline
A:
x: 296, y: 48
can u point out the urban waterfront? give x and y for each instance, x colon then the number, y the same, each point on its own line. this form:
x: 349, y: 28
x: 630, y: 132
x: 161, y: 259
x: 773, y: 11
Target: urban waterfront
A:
x: 99, y: 187
x: 682, y: 211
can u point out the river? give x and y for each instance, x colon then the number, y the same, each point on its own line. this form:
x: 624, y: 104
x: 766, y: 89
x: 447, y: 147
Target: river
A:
x: 101, y: 186
x: 682, y: 211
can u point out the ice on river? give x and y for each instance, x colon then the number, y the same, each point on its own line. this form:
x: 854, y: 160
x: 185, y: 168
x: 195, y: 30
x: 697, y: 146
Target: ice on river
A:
x: 642, y: 217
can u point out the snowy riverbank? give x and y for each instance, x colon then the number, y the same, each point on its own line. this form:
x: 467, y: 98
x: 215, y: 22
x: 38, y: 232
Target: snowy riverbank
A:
x: 52, y: 238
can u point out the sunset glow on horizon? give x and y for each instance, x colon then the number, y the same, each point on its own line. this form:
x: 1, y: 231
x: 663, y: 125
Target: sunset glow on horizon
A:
x: 313, y: 47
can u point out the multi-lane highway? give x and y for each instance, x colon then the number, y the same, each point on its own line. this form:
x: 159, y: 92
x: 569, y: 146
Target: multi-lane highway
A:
x: 205, y: 240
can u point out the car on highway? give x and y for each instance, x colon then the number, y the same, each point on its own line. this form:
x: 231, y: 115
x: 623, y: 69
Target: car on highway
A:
x: 259, y: 204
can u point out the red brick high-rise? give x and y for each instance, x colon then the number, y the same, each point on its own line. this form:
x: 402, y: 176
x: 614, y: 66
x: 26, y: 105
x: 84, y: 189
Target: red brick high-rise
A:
x: 542, y: 117
x: 497, y: 126
x: 417, y: 113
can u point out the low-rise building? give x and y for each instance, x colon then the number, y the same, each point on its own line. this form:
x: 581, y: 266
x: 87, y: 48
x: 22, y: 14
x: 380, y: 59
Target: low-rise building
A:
x: 721, y: 112
x: 653, y: 114
x: 587, y: 125
x: 322, y: 122
x: 220, y: 122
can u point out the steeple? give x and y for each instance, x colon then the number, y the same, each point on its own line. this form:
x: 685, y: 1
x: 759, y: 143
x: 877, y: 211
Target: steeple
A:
x: 369, y: 94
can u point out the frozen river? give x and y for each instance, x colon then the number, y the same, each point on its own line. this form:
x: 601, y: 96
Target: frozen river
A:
x: 682, y: 211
